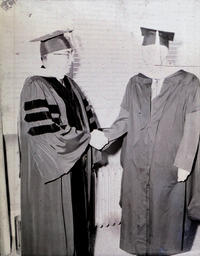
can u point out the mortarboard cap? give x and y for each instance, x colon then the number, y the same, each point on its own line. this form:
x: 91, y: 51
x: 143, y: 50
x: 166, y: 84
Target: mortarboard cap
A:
x: 53, y: 42
x: 150, y: 36
x: 165, y: 37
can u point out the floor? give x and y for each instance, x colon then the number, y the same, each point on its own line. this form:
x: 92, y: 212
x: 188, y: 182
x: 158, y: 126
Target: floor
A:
x: 107, y: 243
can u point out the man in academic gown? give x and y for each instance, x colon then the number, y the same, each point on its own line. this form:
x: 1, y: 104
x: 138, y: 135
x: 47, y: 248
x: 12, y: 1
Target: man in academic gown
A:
x: 56, y: 159
x: 161, y: 148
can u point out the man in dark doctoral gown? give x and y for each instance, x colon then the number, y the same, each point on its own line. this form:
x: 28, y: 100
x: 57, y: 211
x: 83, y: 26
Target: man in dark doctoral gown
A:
x: 162, y: 136
x: 56, y: 159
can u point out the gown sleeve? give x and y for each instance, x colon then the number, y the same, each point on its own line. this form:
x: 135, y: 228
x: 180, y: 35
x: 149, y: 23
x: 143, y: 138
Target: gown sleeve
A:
x: 54, y: 149
x: 120, y: 125
x: 189, y: 144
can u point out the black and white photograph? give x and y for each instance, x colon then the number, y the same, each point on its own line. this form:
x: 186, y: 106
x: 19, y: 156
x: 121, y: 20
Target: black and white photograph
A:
x: 99, y: 127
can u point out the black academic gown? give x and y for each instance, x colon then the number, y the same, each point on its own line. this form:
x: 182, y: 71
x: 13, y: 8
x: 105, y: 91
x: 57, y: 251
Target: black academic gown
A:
x: 56, y: 162
x: 162, y: 136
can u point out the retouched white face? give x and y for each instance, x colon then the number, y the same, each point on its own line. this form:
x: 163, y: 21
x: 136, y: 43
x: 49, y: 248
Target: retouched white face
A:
x: 154, y: 54
x: 59, y: 62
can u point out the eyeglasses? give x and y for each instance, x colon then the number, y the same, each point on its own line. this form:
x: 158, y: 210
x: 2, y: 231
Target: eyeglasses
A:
x: 66, y: 53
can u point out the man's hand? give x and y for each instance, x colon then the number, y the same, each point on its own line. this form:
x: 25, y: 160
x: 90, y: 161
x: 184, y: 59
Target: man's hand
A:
x: 182, y: 175
x: 98, y: 139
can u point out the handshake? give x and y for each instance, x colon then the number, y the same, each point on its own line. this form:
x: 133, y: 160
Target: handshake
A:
x: 98, y: 139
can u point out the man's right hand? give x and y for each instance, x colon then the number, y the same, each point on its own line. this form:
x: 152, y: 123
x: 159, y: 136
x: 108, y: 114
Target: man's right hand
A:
x: 98, y: 139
